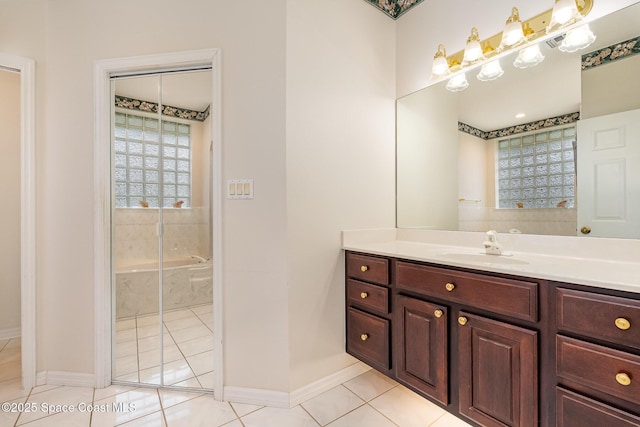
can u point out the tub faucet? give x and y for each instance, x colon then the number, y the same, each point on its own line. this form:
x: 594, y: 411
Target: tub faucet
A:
x: 491, y: 244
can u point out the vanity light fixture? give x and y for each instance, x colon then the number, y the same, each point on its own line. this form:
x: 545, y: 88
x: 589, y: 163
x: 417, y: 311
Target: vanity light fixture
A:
x: 565, y: 12
x: 577, y: 38
x: 440, y: 65
x: 550, y: 23
x: 473, y: 50
x: 513, y: 33
x: 457, y: 83
x: 529, y: 57
x: 490, y: 71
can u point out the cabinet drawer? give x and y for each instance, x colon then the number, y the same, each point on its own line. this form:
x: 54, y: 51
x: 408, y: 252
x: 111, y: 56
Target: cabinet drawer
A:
x: 511, y: 297
x: 610, y: 371
x: 369, y: 297
x: 608, y: 318
x: 575, y: 410
x: 368, y: 268
x: 368, y: 338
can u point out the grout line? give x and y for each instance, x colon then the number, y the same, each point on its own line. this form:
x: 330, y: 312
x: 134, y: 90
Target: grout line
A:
x: 164, y: 416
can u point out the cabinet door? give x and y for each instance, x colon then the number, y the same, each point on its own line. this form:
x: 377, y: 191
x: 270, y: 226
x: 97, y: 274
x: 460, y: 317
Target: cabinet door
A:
x: 498, y: 372
x: 421, y: 345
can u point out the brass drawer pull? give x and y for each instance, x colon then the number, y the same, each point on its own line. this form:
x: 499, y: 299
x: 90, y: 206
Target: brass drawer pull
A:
x: 449, y: 286
x: 623, y: 379
x: 363, y: 295
x: 462, y: 320
x: 438, y: 313
x: 364, y: 337
x: 622, y: 323
x: 364, y: 268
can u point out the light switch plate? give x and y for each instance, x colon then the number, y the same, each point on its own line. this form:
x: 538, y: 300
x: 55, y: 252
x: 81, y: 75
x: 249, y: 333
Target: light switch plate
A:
x: 240, y: 189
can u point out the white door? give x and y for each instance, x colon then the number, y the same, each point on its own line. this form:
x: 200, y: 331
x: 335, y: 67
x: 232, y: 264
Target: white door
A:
x: 609, y: 175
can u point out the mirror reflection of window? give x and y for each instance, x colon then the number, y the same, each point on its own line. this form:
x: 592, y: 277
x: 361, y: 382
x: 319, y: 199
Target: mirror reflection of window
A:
x: 537, y: 170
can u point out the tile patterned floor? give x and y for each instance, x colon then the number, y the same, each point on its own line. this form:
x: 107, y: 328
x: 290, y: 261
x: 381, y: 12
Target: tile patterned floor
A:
x: 369, y: 400
x: 187, y: 348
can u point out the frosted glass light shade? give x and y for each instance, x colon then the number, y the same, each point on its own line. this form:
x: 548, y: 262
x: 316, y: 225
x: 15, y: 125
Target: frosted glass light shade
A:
x: 565, y: 12
x: 457, y: 83
x: 473, y: 49
x: 512, y: 34
x: 490, y: 71
x: 472, y: 53
x: 529, y: 57
x: 576, y: 39
x: 440, y: 67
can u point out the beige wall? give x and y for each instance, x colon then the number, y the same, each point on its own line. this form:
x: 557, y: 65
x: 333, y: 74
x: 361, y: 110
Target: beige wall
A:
x: 427, y: 159
x: 321, y: 163
x: 10, y: 197
x: 340, y: 164
x: 602, y: 92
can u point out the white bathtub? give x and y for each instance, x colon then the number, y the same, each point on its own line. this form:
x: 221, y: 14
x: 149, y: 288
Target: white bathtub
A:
x: 186, y: 281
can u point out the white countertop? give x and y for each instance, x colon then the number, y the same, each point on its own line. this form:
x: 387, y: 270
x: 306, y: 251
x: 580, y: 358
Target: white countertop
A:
x: 569, y: 260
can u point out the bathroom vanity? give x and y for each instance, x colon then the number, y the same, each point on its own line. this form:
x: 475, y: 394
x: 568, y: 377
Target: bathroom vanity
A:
x: 501, y: 340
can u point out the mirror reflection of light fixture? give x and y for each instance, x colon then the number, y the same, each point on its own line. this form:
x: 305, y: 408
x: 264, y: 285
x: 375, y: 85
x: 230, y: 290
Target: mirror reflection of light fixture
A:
x: 440, y: 65
x: 577, y: 38
x: 529, y: 57
x: 490, y: 71
x: 473, y: 50
x: 565, y: 12
x: 513, y: 34
x: 457, y: 83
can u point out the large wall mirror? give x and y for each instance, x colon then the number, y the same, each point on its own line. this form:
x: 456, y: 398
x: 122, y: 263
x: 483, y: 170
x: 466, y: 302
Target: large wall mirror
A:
x: 453, y: 149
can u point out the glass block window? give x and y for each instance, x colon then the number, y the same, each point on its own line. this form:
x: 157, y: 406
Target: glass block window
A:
x: 152, y: 165
x: 537, y: 170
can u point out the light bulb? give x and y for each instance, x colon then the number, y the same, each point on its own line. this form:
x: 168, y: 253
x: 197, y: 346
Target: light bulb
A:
x: 529, y: 57
x: 490, y: 71
x: 457, y: 83
x: 576, y: 39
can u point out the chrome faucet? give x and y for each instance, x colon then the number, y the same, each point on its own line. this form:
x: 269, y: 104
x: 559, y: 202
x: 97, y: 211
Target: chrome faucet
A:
x: 491, y: 244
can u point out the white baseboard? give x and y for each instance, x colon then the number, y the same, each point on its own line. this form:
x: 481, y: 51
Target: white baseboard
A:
x: 9, y: 333
x: 280, y: 399
x: 327, y: 383
x: 71, y: 379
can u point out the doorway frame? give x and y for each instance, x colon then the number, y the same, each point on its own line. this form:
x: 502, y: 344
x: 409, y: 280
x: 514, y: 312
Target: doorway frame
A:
x: 27, y: 69
x: 103, y: 197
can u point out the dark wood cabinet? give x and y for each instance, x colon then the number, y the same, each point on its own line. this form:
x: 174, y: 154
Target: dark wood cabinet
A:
x: 421, y: 333
x: 498, y: 372
x: 497, y: 349
x: 598, y: 357
x: 368, y: 310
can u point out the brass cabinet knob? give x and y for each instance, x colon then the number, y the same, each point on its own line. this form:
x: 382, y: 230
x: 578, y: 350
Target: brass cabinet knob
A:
x: 585, y: 230
x: 364, y: 268
x: 462, y: 320
x: 622, y: 323
x: 438, y: 313
x: 363, y: 295
x: 623, y: 379
x: 449, y: 286
x: 364, y: 337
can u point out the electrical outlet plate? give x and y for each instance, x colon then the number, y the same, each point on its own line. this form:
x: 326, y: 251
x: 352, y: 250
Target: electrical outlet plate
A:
x: 240, y: 189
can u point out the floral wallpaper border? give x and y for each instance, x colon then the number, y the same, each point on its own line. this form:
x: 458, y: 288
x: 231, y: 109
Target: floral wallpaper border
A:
x: 611, y: 53
x: 167, y: 110
x: 394, y: 8
x: 514, y: 130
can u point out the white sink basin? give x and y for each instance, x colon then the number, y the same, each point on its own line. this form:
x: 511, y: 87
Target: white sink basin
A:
x: 483, y: 258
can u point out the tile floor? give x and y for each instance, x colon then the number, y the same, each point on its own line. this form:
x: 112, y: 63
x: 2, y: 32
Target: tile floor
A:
x: 369, y: 400
x: 187, y: 347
